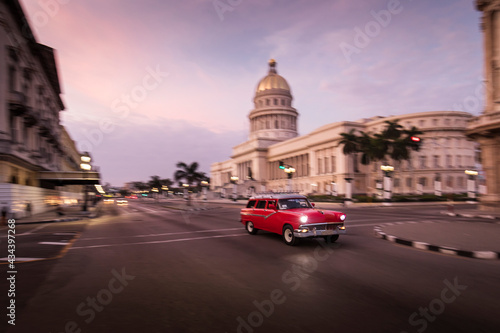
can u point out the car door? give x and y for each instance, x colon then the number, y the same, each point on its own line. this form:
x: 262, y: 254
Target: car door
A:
x: 271, y: 220
x: 259, y: 213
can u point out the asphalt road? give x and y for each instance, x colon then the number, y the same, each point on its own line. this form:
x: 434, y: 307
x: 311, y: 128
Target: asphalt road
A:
x: 148, y: 268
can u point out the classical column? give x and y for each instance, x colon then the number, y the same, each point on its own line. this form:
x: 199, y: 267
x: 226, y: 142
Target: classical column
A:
x: 485, y: 129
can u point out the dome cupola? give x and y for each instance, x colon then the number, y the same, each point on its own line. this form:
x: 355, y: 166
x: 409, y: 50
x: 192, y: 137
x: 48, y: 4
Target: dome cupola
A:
x: 272, y: 80
x: 273, y: 117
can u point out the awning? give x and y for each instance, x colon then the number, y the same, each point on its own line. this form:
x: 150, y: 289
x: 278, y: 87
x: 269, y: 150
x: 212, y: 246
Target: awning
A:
x: 61, y: 178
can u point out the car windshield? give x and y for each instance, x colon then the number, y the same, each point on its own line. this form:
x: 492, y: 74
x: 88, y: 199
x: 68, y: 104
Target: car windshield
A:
x: 293, y: 203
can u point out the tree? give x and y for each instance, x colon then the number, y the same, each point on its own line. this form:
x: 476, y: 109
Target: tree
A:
x: 393, y: 142
x: 189, y: 173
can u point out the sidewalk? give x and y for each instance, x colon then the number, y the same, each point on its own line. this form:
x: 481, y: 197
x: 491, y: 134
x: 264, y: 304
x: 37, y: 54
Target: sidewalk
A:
x: 72, y: 213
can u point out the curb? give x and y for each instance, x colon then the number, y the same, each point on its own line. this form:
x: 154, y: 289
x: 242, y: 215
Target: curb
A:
x: 492, y: 218
x: 69, y: 219
x: 435, y: 248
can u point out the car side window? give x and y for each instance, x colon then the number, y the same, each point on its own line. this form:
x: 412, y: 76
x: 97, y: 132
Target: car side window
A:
x: 271, y: 202
x: 261, y: 204
x: 251, y: 203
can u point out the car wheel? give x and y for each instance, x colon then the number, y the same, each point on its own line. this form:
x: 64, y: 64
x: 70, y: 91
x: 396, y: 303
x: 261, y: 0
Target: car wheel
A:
x: 288, y: 236
x: 331, y: 238
x: 251, y: 228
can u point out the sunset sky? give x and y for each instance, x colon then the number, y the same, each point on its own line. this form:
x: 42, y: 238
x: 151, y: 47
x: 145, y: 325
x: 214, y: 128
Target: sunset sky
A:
x: 149, y: 83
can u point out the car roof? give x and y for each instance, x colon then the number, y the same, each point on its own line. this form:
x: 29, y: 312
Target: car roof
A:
x: 277, y: 196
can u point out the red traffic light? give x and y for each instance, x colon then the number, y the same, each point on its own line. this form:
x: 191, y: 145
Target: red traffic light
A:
x: 415, y: 139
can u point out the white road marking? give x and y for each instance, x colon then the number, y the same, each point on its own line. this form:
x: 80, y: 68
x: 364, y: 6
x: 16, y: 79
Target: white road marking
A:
x: 53, y: 243
x: 34, y: 230
x: 20, y: 259
x: 166, y: 234
x: 157, y: 242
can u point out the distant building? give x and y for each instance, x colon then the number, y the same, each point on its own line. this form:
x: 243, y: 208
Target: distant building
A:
x: 39, y: 162
x: 322, y: 168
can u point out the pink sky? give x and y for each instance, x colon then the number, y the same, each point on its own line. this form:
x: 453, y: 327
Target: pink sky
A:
x: 208, y: 57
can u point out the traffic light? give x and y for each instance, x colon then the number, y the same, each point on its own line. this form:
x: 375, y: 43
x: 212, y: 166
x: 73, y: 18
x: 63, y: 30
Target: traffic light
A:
x: 416, y: 143
x: 282, y: 166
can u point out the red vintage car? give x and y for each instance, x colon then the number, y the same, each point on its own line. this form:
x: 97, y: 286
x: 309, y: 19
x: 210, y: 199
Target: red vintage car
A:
x: 291, y: 216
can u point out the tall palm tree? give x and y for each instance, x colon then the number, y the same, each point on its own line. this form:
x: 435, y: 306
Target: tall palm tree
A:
x: 189, y: 173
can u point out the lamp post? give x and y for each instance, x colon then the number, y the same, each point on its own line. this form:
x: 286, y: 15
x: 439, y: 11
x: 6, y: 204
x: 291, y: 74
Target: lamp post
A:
x: 204, y: 185
x: 85, y: 160
x: 387, y: 169
x: 234, y: 181
x: 289, y: 171
x: 471, y: 184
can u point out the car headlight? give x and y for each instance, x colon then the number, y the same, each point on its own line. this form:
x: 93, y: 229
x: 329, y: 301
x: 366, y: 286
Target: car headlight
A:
x: 303, y: 219
x: 342, y: 217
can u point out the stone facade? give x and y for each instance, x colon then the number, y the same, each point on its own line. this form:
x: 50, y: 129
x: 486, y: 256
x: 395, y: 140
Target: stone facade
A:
x: 322, y: 168
x: 485, y: 129
x: 32, y: 140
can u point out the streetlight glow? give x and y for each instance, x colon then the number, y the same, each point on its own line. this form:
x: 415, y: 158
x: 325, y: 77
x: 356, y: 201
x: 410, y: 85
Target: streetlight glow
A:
x: 471, y: 172
x: 387, y: 168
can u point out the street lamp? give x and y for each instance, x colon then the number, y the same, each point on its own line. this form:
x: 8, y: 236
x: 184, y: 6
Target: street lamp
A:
x: 204, y: 185
x: 85, y: 160
x: 289, y: 170
x: 387, y: 169
x: 471, y: 183
x: 234, y: 180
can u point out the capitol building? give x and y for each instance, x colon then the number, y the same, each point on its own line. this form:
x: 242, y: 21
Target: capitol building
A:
x: 317, y: 158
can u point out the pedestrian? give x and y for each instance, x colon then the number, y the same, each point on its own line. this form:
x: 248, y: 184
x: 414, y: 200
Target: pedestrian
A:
x: 4, y: 215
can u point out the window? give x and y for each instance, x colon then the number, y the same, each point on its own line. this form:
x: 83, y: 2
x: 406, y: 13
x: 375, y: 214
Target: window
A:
x: 449, y: 163
x: 319, y: 166
x: 326, y: 165
x: 421, y: 123
x: 435, y: 122
x: 460, y: 181
x: 267, y: 101
x: 449, y: 181
x: 12, y: 78
x: 283, y: 102
x: 423, y: 162
x: 271, y: 202
x: 334, y: 165
x: 459, y: 161
x: 276, y: 124
x: 275, y: 101
x: 408, y: 182
x: 396, y: 182
x: 251, y: 203
x: 422, y: 181
x: 261, y: 204
x: 435, y: 160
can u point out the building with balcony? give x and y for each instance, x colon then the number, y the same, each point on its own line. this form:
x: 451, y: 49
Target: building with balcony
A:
x: 39, y: 162
x: 320, y: 167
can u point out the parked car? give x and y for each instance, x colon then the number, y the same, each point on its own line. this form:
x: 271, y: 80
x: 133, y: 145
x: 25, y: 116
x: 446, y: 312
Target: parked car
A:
x: 292, y: 216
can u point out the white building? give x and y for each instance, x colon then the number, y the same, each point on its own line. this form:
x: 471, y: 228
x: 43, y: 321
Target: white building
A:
x: 39, y: 162
x: 322, y: 168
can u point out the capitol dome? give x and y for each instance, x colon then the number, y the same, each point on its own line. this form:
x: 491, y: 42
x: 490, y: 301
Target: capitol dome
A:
x: 272, y: 80
x: 273, y: 117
